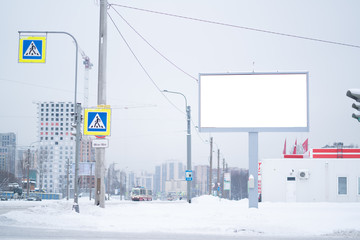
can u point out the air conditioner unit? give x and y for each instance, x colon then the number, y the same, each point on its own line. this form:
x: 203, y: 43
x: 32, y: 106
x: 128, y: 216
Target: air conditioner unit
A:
x: 304, y: 174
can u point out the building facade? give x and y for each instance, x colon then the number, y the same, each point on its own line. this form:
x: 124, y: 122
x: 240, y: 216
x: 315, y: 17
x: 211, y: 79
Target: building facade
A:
x: 328, y: 177
x: 7, y: 152
x: 56, y: 145
x: 169, y: 177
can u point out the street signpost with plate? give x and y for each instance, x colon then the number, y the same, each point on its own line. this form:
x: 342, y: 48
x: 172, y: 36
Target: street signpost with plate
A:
x: 188, y: 175
x: 32, y: 49
x: 97, y: 122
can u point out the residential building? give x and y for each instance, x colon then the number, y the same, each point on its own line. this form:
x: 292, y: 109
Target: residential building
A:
x: 7, y: 152
x: 201, y: 180
x: 56, y: 145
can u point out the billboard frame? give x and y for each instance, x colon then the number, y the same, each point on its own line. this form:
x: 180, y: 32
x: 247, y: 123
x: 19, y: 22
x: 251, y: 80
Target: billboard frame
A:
x: 256, y: 129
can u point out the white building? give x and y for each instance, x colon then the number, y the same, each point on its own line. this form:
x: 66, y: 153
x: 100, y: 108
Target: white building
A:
x: 322, y: 179
x: 56, y: 145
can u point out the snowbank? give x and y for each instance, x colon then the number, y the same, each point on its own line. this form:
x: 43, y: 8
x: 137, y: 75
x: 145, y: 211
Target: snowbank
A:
x: 205, y: 214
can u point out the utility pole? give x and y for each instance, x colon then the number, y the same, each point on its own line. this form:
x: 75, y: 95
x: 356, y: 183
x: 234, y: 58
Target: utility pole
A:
x: 67, y: 178
x: 28, y: 174
x: 210, y: 170
x: 222, y: 180
x: 188, y: 142
x: 120, y: 189
x: 218, y: 174
x: 100, y: 152
x: 90, y: 180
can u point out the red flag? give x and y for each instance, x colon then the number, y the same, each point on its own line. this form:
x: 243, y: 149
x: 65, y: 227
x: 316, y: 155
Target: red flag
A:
x: 284, y: 151
x: 305, y: 145
x: 294, y: 152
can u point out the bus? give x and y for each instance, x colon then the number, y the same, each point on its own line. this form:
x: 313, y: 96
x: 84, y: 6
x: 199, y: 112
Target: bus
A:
x: 141, y: 194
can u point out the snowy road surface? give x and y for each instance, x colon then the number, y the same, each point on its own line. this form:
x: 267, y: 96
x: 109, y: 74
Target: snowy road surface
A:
x: 205, y: 218
x: 21, y: 233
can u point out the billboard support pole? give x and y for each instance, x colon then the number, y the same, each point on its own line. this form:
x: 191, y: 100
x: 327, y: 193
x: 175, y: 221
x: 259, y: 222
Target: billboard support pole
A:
x: 253, y: 168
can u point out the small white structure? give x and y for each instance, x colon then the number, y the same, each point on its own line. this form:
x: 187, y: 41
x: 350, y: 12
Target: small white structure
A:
x: 311, y: 180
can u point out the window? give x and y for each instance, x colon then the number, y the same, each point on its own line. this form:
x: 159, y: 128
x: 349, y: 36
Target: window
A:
x: 359, y: 185
x: 342, y: 185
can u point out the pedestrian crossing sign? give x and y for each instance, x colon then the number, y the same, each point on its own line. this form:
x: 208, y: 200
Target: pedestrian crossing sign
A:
x: 32, y: 49
x: 97, y: 121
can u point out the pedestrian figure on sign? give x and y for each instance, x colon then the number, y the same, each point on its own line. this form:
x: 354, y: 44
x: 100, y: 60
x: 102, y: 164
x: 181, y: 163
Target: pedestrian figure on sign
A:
x: 97, y: 124
x: 32, y: 49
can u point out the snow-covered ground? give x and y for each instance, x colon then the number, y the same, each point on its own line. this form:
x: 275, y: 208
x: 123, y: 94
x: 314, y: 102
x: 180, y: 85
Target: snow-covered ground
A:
x: 205, y: 215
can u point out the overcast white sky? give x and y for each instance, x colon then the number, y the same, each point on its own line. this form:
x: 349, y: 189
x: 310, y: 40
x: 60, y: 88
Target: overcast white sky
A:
x: 151, y: 130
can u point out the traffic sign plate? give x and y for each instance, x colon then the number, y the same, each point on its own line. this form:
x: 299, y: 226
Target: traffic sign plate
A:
x: 32, y: 49
x: 97, y: 122
x: 188, y: 175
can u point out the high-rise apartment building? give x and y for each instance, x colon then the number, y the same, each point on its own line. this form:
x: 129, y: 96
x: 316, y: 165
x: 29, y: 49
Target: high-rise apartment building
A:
x: 7, y: 152
x: 56, y: 145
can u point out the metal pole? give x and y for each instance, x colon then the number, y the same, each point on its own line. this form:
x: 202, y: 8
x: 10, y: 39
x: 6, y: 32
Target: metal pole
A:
x: 90, y: 180
x: 188, y: 141
x: 218, y: 174
x: 67, y: 179
x: 223, y: 180
x: 210, y: 170
x: 77, y: 114
x: 188, y: 137
x: 28, y: 175
x: 100, y: 152
x: 253, y: 168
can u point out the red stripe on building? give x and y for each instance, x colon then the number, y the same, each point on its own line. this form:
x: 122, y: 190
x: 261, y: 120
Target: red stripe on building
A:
x: 336, y: 156
x: 336, y: 150
x: 293, y: 156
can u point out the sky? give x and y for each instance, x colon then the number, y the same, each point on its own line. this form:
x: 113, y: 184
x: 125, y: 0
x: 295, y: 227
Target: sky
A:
x: 146, y: 129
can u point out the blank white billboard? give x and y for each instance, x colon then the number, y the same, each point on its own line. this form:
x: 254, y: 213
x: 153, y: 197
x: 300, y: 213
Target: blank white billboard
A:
x: 254, y: 102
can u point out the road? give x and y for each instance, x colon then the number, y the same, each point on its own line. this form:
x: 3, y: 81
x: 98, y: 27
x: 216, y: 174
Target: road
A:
x: 17, y: 233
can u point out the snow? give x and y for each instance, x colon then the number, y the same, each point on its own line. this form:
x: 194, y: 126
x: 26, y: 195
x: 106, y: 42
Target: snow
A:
x: 205, y: 215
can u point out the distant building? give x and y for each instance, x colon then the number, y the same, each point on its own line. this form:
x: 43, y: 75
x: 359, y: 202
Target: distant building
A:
x: 168, y: 177
x: 7, y: 152
x: 201, y: 180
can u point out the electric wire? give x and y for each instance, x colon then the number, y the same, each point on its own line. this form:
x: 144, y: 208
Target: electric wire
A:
x: 36, y: 85
x: 239, y: 27
x: 142, y: 66
x: 148, y: 75
x: 147, y: 42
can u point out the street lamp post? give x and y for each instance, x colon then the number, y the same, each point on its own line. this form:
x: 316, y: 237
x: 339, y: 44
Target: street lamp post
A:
x: 77, y: 115
x: 188, y: 137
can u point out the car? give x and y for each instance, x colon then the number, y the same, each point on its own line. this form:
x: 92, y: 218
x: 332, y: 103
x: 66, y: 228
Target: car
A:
x: 3, y: 199
x: 34, y: 198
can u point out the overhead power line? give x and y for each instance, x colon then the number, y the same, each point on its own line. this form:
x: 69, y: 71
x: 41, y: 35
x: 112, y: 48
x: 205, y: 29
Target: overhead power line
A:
x: 239, y: 27
x: 147, y: 42
x: 148, y: 75
x: 142, y: 66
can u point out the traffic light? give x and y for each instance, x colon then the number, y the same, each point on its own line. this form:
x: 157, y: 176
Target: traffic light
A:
x: 355, y: 94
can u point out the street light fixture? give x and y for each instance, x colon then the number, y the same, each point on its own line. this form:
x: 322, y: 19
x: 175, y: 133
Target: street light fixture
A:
x: 188, y: 137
